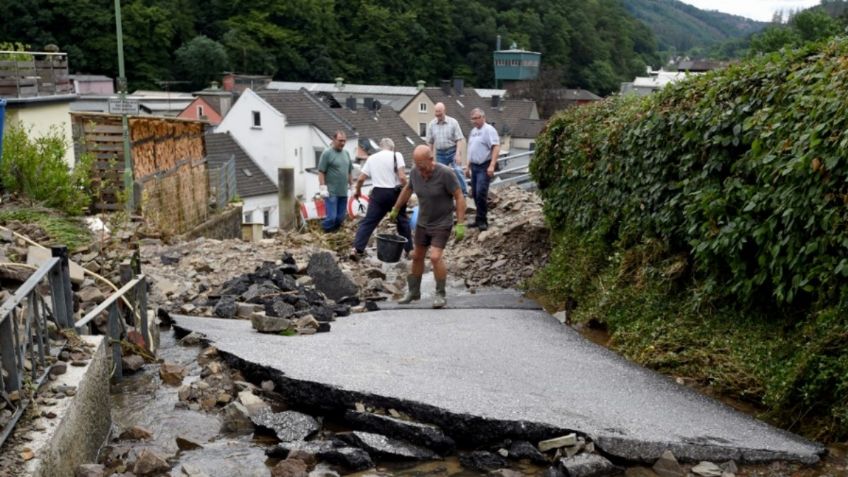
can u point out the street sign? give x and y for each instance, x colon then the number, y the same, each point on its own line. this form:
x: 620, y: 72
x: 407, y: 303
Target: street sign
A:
x: 125, y: 106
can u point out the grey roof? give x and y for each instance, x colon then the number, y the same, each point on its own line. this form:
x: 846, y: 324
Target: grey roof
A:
x: 250, y: 180
x: 505, y: 117
x: 375, y: 89
x: 303, y: 107
x: 528, y: 128
x: 89, y: 77
x: 575, y: 94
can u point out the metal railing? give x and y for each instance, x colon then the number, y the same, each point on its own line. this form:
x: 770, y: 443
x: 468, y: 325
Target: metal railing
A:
x: 23, y: 334
x: 517, y: 175
x: 222, y: 183
x: 126, y: 306
x: 25, y: 351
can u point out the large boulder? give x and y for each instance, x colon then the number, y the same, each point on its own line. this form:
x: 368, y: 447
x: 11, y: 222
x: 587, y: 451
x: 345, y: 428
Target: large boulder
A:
x: 328, y: 277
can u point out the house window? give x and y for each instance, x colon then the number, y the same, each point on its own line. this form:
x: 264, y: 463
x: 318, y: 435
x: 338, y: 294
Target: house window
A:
x: 200, y: 111
x: 246, y: 217
x: 266, y: 217
x: 317, y: 156
x: 257, y: 119
x: 422, y: 129
x: 422, y: 107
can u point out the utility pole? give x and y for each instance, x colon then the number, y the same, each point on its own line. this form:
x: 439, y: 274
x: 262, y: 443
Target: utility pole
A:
x: 122, y: 94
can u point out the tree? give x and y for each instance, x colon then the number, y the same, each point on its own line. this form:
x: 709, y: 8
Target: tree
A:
x: 201, y: 60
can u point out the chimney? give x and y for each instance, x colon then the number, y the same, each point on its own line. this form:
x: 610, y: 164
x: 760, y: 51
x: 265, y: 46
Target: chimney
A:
x: 421, y: 84
x: 350, y: 102
x: 498, y: 44
x: 496, y: 100
x: 369, y: 103
x: 339, y: 82
x: 457, y: 86
x: 446, y: 87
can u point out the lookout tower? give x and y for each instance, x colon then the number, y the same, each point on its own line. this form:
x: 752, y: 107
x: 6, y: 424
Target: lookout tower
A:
x: 515, y: 64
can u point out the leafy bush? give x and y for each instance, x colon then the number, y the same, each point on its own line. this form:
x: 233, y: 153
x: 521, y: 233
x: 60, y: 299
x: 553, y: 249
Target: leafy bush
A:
x: 723, y: 195
x: 35, y: 168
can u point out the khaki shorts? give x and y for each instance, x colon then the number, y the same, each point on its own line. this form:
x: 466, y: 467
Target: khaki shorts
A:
x: 431, y: 237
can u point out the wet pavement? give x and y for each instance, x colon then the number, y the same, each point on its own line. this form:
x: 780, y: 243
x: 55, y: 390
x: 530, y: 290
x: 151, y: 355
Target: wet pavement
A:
x: 502, y: 371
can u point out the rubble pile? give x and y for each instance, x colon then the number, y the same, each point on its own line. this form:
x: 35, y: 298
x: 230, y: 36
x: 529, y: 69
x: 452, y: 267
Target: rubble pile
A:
x: 511, y: 250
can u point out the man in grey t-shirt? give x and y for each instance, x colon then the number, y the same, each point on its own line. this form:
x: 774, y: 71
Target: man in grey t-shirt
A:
x: 437, y: 190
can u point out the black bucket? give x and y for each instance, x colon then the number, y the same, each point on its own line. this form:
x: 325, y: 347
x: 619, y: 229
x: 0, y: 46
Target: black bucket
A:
x: 389, y: 247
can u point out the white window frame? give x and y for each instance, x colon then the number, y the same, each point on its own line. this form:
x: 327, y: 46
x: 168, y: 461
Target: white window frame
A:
x: 422, y: 107
x: 200, y: 111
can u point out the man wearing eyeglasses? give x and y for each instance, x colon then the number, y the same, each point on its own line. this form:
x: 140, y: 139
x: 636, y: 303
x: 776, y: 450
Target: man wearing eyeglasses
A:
x: 334, y: 179
x: 484, y: 145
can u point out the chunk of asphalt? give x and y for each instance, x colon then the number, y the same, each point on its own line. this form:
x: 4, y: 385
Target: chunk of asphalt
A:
x: 289, y: 426
x: 377, y: 444
x: 424, y: 435
x: 588, y: 465
x: 482, y: 461
x: 349, y: 457
x: 524, y: 450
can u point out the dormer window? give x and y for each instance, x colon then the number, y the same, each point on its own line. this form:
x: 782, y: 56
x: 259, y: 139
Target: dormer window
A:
x: 257, y: 119
x: 422, y: 107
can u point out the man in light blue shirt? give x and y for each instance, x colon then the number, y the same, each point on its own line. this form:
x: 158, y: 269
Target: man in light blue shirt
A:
x: 484, y: 146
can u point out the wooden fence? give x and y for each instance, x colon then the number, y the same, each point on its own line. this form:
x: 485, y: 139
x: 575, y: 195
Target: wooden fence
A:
x: 169, y: 171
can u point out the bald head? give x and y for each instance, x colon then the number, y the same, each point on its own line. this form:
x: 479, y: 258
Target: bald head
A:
x: 439, y: 111
x: 421, y: 153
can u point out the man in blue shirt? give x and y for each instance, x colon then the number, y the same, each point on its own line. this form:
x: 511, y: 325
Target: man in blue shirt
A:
x: 484, y: 146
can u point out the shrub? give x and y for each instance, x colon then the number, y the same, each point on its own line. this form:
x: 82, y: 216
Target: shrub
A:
x: 715, y: 207
x: 34, y: 167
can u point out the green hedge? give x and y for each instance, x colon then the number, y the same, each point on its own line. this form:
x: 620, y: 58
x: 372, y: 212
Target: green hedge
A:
x: 721, y: 199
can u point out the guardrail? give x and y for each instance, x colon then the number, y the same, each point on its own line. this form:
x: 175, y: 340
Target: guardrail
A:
x: 518, y: 175
x: 24, y: 339
x: 126, y: 306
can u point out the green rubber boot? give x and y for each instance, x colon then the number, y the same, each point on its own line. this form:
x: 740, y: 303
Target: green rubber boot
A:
x: 439, y: 300
x: 413, y: 291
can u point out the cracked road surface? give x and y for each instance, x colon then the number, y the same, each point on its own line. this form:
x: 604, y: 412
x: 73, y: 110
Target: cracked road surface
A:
x: 483, y: 374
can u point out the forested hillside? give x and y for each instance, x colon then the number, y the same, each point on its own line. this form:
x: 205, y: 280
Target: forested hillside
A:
x: 680, y: 27
x: 593, y: 45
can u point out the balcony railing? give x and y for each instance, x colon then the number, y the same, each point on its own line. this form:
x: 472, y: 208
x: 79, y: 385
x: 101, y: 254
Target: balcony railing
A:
x: 31, y: 74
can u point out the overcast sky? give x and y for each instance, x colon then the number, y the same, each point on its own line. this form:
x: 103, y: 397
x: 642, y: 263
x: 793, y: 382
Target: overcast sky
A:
x: 757, y: 9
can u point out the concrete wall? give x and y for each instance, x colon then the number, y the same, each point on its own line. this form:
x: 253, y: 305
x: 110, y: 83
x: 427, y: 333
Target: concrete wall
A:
x: 40, y: 118
x: 83, y: 421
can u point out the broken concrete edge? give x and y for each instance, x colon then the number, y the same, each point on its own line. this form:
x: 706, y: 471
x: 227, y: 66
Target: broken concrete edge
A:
x: 83, y: 421
x: 649, y: 452
x: 469, y: 430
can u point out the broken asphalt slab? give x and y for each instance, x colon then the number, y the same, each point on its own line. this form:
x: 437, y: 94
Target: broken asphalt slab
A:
x: 487, y: 374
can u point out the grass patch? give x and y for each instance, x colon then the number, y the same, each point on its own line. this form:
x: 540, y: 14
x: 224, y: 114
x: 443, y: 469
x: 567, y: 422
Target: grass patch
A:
x: 60, y: 229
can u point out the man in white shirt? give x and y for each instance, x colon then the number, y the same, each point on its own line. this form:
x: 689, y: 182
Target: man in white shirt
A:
x: 386, y: 170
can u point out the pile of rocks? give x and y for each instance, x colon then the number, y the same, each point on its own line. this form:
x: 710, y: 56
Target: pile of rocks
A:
x: 516, y: 244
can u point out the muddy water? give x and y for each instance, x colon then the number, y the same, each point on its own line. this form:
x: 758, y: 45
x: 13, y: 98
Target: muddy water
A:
x: 143, y: 400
